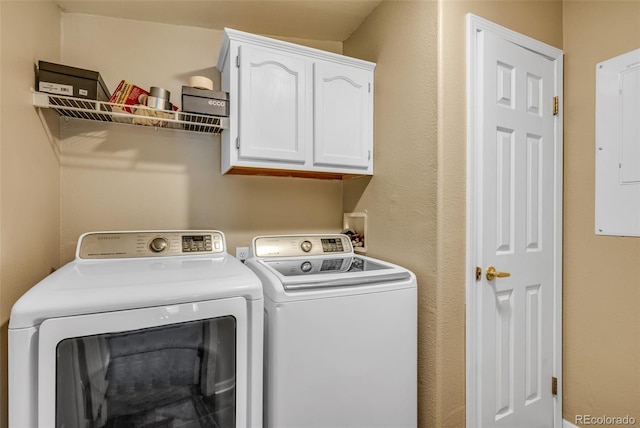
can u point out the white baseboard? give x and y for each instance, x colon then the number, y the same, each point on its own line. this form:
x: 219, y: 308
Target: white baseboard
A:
x: 567, y: 424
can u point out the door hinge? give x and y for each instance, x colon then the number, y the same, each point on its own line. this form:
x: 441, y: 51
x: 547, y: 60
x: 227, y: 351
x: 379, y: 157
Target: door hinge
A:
x: 478, y: 273
x: 369, y: 156
x: 369, y: 87
x: 554, y: 385
x: 556, y: 107
x: 238, y: 143
x: 238, y: 61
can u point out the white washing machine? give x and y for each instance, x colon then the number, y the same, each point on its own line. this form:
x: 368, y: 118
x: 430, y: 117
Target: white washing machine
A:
x: 142, y: 329
x: 340, y: 335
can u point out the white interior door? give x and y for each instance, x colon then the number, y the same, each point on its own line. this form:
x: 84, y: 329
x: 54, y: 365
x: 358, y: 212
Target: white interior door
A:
x: 515, y: 228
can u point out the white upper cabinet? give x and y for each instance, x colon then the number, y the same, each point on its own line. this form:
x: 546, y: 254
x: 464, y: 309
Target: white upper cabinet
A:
x: 295, y: 110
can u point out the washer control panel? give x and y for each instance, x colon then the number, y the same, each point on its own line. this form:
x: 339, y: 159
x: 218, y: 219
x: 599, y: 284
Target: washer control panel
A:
x: 301, y: 245
x: 117, y: 245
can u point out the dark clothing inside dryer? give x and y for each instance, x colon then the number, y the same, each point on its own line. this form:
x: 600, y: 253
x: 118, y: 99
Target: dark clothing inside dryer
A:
x: 195, y: 411
x: 171, y: 376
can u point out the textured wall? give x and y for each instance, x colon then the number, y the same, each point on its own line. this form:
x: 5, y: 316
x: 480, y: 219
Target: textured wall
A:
x: 92, y: 176
x: 116, y: 177
x: 601, y: 273
x: 400, y: 199
x: 30, y: 192
x: 122, y: 177
x: 416, y: 199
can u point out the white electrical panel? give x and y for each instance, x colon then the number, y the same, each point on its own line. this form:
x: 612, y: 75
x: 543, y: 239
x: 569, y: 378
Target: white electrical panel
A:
x: 618, y: 145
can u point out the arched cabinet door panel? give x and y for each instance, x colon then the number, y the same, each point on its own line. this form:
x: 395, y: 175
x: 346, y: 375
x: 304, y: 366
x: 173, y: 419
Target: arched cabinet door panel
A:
x: 343, y: 108
x: 273, y: 105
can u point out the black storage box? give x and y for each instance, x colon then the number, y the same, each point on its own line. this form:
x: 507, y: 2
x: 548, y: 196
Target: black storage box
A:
x: 71, y: 81
x: 204, y: 101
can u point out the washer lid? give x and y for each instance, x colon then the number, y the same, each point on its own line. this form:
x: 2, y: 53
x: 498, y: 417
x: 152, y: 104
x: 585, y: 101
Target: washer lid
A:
x: 327, y: 272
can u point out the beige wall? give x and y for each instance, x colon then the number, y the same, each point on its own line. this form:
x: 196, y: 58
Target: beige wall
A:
x: 601, y: 274
x: 30, y: 208
x: 122, y: 177
x: 400, y: 198
x: 3, y: 329
x: 416, y: 199
x: 93, y: 176
x: 119, y: 177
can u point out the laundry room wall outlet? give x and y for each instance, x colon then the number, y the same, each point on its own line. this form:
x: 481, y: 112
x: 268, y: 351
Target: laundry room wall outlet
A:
x: 242, y: 253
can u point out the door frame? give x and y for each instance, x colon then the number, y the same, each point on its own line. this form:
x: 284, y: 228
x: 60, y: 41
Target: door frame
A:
x: 476, y: 25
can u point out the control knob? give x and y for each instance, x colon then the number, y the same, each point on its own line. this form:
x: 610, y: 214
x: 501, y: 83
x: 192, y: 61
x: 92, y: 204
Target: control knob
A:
x: 158, y: 245
x: 306, y: 246
x: 306, y: 267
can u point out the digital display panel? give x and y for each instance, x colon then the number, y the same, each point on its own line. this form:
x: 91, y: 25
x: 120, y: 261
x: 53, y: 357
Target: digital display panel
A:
x: 331, y: 265
x: 191, y: 243
x: 193, y: 238
x: 332, y: 245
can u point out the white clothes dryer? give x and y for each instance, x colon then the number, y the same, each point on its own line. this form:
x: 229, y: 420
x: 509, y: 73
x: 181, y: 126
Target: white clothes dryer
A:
x: 142, y: 329
x: 340, y: 335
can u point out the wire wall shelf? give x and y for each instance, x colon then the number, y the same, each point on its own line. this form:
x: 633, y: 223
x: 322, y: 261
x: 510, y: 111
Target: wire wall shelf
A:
x: 131, y: 115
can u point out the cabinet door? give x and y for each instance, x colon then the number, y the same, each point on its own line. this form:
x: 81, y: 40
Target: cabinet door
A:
x: 343, y: 115
x: 272, y: 105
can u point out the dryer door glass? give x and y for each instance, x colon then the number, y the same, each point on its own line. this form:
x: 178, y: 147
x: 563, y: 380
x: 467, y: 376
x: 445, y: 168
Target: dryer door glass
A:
x: 168, y: 376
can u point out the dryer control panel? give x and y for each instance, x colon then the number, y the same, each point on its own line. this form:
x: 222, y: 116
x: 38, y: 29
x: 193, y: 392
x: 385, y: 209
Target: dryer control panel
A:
x: 118, y: 245
x: 301, y: 245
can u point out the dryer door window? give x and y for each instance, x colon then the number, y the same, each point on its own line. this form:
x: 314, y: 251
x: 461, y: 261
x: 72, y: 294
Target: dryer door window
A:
x: 175, y: 366
x: 176, y: 375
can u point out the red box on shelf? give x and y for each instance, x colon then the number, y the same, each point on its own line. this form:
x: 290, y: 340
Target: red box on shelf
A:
x: 128, y: 94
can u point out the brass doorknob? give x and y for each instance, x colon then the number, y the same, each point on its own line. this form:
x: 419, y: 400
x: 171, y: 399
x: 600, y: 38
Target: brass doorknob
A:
x: 492, y: 274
